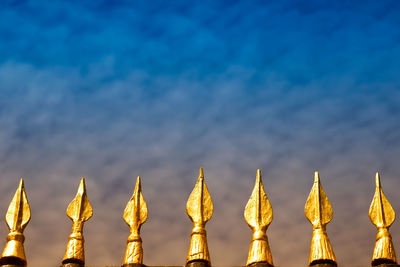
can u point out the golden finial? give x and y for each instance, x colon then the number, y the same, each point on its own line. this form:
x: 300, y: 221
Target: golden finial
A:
x: 319, y: 212
x: 135, y: 215
x: 17, y: 217
x: 258, y: 215
x: 79, y: 210
x: 382, y: 216
x: 199, y: 207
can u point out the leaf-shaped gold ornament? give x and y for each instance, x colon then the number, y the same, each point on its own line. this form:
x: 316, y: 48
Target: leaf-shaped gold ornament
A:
x: 318, y: 209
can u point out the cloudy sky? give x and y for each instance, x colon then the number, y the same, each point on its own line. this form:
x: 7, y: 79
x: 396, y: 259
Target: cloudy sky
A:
x: 110, y: 90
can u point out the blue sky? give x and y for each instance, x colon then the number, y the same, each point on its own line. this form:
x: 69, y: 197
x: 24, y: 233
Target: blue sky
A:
x: 112, y: 90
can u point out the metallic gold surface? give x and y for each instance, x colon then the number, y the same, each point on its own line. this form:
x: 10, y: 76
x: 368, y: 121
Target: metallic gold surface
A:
x: 199, y: 207
x: 135, y: 215
x: 382, y: 216
x: 319, y: 212
x: 79, y: 211
x: 17, y: 217
x: 258, y: 215
x: 72, y: 264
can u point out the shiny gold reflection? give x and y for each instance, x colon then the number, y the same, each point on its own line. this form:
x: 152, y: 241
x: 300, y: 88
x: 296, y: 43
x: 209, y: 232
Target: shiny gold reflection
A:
x: 258, y: 215
x: 79, y: 211
x: 319, y: 212
x: 382, y: 216
x: 199, y: 207
x: 135, y: 215
x: 17, y: 218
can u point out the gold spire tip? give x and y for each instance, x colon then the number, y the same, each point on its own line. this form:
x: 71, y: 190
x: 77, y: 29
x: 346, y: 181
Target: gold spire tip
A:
x: 382, y: 215
x: 316, y: 177
x: 259, y: 175
x: 79, y: 211
x: 82, y: 186
x: 318, y: 211
x: 17, y: 218
x: 199, y: 207
x: 138, y: 186
x: 135, y: 214
x: 258, y: 215
x: 201, y: 172
x: 377, y: 180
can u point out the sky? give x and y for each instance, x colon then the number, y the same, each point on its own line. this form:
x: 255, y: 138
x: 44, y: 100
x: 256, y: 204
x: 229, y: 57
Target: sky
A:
x: 110, y: 90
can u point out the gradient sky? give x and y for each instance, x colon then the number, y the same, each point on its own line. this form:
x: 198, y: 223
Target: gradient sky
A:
x: 111, y: 90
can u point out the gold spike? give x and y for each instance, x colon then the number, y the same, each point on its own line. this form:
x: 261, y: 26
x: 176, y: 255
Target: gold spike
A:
x: 17, y: 217
x: 319, y: 212
x: 79, y: 210
x: 258, y: 215
x: 382, y: 216
x: 135, y: 215
x: 199, y: 207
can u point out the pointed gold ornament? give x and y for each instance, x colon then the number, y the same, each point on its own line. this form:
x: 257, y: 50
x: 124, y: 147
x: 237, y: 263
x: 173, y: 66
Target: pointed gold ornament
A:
x: 17, y: 217
x: 258, y: 215
x: 135, y: 215
x: 382, y: 216
x: 79, y: 211
x: 199, y: 207
x: 319, y: 212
